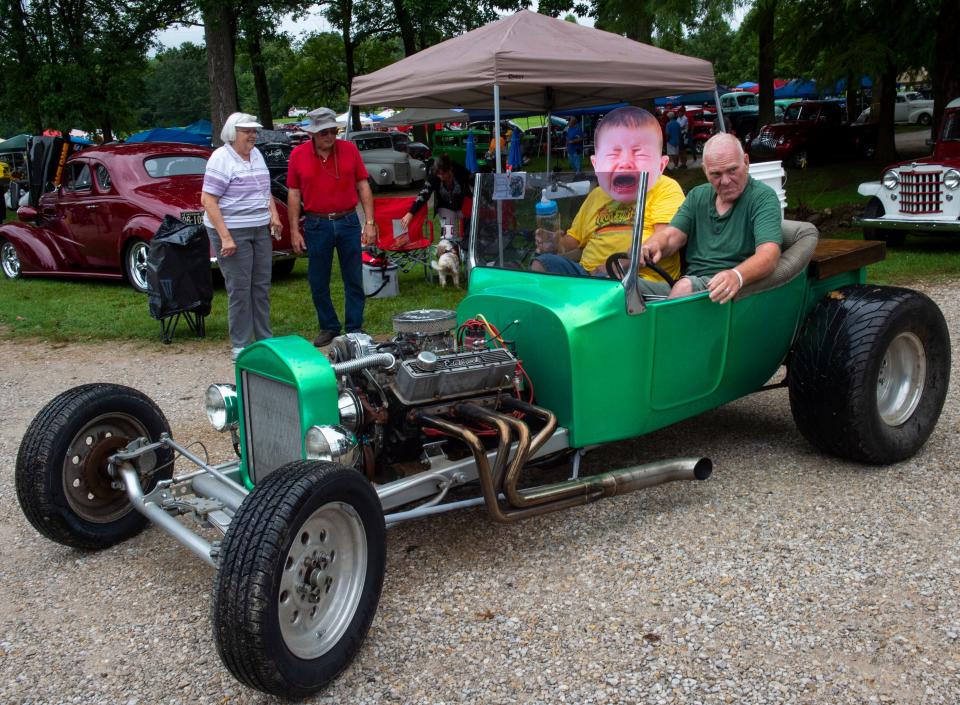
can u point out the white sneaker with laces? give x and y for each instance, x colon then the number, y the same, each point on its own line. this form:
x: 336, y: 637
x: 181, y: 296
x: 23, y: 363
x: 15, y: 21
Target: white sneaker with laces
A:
x: 234, y: 352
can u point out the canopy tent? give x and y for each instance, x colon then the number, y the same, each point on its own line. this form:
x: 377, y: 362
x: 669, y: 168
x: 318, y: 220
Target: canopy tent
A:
x: 14, y: 144
x: 425, y: 116
x: 170, y: 134
x: 797, y: 88
x: 529, y: 61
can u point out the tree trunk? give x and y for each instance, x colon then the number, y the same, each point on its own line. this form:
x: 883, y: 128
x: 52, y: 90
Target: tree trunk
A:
x: 255, y: 51
x: 17, y: 40
x: 405, y: 27
x: 219, y: 30
x: 766, y: 13
x: 886, y: 144
x: 946, y: 63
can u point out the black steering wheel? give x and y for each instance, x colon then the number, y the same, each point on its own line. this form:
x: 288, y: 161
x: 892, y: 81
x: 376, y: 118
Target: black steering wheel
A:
x: 615, y: 269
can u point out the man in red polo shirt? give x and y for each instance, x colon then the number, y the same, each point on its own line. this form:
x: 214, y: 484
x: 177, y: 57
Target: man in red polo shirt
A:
x: 329, y: 176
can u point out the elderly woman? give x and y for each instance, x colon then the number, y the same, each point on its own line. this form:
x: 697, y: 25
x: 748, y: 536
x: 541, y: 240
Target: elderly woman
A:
x: 240, y: 215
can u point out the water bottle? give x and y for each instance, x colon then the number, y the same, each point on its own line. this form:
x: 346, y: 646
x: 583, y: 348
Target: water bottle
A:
x: 548, y: 219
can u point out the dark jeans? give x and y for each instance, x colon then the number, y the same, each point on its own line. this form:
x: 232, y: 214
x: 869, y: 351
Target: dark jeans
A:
x: 322, y: 237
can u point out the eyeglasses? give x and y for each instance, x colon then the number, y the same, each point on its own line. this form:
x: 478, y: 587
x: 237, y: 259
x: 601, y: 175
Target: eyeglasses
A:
x: 328, y: 132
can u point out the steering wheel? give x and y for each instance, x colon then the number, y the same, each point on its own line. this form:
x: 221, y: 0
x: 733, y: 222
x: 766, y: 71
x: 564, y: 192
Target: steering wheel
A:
x: 615, y: 269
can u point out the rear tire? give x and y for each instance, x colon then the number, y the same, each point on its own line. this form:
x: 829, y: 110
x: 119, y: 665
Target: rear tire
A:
x: 869, y: 373
x: 61, y: 476
x: 924, y: 119
x: 301, y: 570
x: 135, y: 265
x: 875, y: 209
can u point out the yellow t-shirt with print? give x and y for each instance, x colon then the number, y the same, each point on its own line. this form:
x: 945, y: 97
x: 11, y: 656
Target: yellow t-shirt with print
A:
x: 603, y: 226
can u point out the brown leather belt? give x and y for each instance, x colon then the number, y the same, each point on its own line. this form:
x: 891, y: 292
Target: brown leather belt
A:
x: 332, y: 216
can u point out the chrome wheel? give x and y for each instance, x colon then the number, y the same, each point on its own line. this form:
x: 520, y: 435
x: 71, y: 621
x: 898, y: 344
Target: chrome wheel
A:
x: 87, y: 486
x: 136, y: 265
x: 901, y: 378
x: 322, y: 581
x: 9, y: 260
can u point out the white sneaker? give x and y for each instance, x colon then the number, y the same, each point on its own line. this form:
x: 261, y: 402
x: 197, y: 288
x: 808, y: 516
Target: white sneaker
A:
x: 234, y: 352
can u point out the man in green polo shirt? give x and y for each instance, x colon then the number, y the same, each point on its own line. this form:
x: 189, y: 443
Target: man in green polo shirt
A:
x: 731, y: 227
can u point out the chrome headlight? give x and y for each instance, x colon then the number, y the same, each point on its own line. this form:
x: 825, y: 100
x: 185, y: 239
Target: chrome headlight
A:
x: 783, y: 138
x: 351, y: 411
x: 384, y: 173
x: 221, y: 404
x: 951, y: 179
x: 891, y: 180
x: 332, y: 443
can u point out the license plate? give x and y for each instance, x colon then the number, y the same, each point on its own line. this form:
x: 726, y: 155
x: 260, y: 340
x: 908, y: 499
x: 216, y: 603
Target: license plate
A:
x: 192, y: 217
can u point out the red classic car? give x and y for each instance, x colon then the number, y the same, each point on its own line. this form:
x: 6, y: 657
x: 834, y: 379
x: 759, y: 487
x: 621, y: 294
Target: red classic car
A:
x: 98, y: 221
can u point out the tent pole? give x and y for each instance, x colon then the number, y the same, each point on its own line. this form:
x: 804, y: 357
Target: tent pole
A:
x: 716, y: 99
x: 496, y: 124
x: 549, y: 146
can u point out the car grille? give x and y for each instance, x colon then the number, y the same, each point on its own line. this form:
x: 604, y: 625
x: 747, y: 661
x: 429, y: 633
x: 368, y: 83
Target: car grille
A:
x: 921, y: 190
x: 402, y: 173
x: 272, y: 423
x: 768, y: 141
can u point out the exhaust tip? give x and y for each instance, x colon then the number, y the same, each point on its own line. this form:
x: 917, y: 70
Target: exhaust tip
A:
x: 703, y: 469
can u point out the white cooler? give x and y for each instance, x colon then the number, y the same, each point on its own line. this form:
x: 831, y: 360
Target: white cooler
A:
x: 379, y: 282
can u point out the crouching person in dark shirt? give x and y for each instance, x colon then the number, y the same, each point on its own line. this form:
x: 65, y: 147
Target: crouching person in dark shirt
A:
x: 449, y: 184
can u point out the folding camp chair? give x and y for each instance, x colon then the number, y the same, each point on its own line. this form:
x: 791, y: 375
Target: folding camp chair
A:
x: 387, y: 212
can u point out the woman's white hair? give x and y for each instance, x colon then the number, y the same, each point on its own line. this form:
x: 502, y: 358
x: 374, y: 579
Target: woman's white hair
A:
x: 229, y: 132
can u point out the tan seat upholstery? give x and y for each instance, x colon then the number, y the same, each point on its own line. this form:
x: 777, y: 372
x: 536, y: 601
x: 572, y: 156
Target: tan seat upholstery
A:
x: 799, y: 242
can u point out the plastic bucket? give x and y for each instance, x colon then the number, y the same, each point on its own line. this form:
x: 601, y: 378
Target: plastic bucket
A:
x: 773, y: 175
x: 380, y: 282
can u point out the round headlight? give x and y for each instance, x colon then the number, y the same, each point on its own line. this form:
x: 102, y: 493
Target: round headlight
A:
x: 384, y: 173
x: 891, y: 180
x: 951, y: 179
x: 332, y: 443
x: 351, y: 412
x: 221, y: 404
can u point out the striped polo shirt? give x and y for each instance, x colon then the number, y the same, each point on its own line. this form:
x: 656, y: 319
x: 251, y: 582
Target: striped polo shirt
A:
x: 243, y: 187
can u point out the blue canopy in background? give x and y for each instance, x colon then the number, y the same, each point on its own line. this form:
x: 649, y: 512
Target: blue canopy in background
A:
x: 171, y: 134
x: 798, y: 88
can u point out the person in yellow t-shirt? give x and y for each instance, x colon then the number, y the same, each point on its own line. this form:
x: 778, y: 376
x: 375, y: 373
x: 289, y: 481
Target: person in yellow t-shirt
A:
x: 628, y: 141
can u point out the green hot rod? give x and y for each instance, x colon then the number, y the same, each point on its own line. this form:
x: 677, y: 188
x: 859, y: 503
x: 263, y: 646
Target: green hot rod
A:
x: 533, y: 369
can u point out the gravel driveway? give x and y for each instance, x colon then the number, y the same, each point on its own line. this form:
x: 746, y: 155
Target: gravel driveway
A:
x: 788, y: 577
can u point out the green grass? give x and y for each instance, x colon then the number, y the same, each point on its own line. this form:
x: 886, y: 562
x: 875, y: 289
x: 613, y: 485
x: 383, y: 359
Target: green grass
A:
x: 77, y: 310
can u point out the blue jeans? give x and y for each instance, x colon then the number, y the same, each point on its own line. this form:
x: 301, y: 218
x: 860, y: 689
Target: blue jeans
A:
x: 576, y: 161
x: 322, y: 237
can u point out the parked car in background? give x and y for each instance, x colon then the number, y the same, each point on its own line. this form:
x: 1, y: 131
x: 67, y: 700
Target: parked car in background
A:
x: 921, y: 195
x: 387, y: 166
x: 909, y: 108
x: 814, y: 130
x: 700, y: 126
x: 453, y: 143
x: 97, y: 222
x: 741, y: 111
x: 402, y: 142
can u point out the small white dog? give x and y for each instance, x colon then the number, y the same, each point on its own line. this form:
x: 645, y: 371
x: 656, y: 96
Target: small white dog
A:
x: 447, y: 263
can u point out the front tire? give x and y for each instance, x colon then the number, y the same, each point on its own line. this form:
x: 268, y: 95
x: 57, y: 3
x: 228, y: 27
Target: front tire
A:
x: 301, y: 570
x: 924, y: 119
x: 869, y: 373
x: 61, y: 476
x: 9, y: 260
x: 135, y: 265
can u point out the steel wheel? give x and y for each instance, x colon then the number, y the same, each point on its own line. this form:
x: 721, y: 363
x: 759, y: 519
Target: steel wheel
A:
x: 87, y: 486
x: 62, y: 481
x: 901, y: 378
x: 9, y: 260
x: 322, y: 580
x: 135, y: 265
x: 301, y: 569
